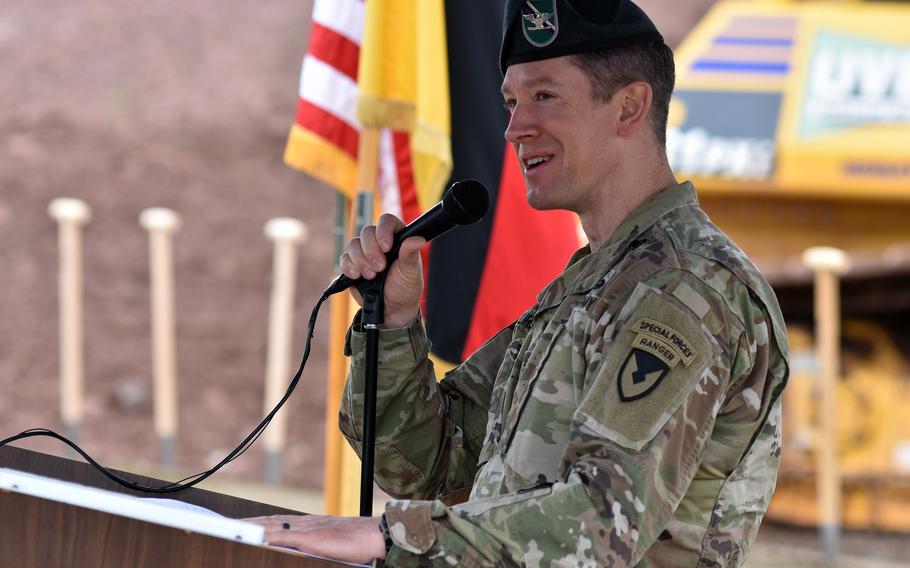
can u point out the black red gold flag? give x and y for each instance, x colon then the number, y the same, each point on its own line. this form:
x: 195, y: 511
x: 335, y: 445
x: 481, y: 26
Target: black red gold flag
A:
x: 483, y: 276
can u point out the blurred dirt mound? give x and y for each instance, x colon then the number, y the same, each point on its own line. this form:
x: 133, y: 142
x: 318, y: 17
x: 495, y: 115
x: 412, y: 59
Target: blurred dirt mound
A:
x: 132, y: 105
x: 135, y: 104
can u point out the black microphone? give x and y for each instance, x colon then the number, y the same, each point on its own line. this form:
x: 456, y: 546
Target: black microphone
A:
x: 465, y: 202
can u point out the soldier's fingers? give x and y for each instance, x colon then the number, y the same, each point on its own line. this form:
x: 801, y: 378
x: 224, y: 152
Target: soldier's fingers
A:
x: 353, y: 263
x: 346, y: 266
x: 409, y: 260
x: 386, y: 228
x: 410, y: 247
x: 371, y: 249
x: 271, y: 522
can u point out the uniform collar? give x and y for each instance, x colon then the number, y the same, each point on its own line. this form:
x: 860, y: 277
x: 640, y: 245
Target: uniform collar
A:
x: 585, y: 269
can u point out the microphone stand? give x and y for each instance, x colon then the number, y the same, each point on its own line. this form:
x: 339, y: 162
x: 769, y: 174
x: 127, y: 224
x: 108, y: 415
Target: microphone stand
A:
x: 371, y: 317
x: 463, y: 203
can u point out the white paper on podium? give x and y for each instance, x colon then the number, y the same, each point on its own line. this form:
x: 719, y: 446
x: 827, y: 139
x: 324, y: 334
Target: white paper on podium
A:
x: 165, y: 512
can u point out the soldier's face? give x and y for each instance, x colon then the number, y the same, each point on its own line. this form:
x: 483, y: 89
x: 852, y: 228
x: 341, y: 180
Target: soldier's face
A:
x: 564, y: 139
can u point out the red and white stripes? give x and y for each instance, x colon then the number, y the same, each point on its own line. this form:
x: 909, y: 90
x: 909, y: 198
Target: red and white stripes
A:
x: 327, y: 106
x: 328, y: 80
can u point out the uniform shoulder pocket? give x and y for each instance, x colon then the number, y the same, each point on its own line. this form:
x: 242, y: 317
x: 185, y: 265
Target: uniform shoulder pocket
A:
x: 662, y: 354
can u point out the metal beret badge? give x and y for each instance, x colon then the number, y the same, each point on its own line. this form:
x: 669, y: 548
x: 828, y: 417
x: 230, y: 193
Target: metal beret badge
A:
x: 553, y: 28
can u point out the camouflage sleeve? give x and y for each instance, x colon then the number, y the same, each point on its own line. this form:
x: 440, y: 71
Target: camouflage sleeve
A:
x: 428, y: 434
x: 636, y: 442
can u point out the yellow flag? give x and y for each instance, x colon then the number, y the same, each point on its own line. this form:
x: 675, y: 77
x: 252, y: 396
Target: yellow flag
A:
x: 404, y: 84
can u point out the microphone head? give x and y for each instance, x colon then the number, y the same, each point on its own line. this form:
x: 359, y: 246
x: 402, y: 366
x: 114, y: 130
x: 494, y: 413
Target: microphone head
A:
x: 466, y: 202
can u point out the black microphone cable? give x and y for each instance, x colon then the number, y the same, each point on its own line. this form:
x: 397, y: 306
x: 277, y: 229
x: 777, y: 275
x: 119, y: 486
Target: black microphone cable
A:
x: 192, y: 480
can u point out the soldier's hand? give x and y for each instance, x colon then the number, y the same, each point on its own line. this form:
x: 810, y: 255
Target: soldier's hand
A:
x: 364, y: 257
x: 349, y: 539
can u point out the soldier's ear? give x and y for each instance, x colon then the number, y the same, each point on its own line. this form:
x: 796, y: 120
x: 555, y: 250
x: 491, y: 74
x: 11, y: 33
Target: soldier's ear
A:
x: 635, y: 102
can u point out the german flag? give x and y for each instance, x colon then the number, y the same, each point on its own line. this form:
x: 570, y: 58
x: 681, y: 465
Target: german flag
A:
x: 483, y: 276
x: 383, y: 64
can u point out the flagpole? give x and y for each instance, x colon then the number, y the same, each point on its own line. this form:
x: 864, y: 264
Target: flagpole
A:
x: 334, y: 442
x: 367, y: 171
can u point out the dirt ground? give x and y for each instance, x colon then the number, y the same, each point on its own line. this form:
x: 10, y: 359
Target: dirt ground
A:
x: 130, y: 105
x: 134, y: 104
x: 785, y: 546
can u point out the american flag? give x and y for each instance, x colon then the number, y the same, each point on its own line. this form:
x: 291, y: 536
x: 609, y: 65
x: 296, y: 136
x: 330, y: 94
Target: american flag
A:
x: 324, y: 138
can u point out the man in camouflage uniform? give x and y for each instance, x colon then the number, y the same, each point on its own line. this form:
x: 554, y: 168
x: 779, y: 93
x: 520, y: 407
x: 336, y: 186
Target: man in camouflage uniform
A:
x: 632, y: 415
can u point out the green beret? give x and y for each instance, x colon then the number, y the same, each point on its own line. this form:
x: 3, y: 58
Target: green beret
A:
x: 540, y: 29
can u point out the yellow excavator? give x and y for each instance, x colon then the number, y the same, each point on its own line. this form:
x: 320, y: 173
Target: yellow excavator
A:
x: 873, y: 433
x: 793, y: 120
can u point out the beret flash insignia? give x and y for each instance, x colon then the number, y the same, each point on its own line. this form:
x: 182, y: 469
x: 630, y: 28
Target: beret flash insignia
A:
x: 539, y: 22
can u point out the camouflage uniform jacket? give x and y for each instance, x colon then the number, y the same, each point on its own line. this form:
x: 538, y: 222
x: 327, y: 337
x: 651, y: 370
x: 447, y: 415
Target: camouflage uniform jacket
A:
x: 630, y: 417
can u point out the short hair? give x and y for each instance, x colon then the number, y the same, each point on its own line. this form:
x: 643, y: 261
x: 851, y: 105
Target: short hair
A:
x: 614, y: 68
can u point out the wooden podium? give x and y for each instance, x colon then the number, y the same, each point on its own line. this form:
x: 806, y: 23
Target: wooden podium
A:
x: 40, y: 533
